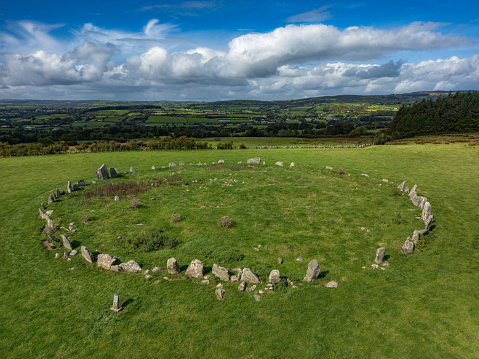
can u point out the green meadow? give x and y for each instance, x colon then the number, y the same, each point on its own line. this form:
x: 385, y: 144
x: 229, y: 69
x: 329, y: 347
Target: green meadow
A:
x: 424, y: 305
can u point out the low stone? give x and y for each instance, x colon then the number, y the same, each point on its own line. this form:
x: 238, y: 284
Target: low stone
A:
x: 415, y: 237
x: 132, y: 170
x: 242, y: 286
x: 195, y: 269
x: 102, y: 173
x: 402, y: 185
x: 219, y: 285
x: 182, y: 163
x: 148, y: 276
x: 254, y: 161
x: 171, y: 164
x: 279, y: 163
x: 87, y: 255
x: 52, y: 237
x: 205, y: 281
x: 257, y: 297
x: 251, y: 289
x: 364, y: 174
x: 156, y: 269
x: 374, y: 266
x: 82, y: 182
x: 65, y: 256
x: 172, y: 266
x: 274, y: 277
x: 105, y: 261
x: 406, y: 189
x: 221, y: 162
x: 73, y: 252
x: 117, y: 198
x: 300, y: 259
x: 153, y: 167
x: 331, y: 284
x: 292, y: 164
x: 280, y: 260
x: 249, y: 277
x: 407, y: 247
x: 313, y: 271
x: 234, y: 278
x: 220, y: 272
x: 43, y: 206
x: 69, y: 187
x: 220, y: 293
x: 131, y: 267
x: 329, y: 168
x: 57, y: 255
x: 66, y: 242
x: 380, y: 255
x: 385, y: 180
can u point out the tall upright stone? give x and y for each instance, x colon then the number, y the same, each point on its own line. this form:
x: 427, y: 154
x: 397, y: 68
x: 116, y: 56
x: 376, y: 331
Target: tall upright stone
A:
x: 313, y: 271
x: 87, y: 255
x: 51, y: 199
x: 114, y: 172
x: 172, y: 266
x: 249, y: 277
x: 274, y: 277
x: 402, y: 185
x: 102, y: 173
x: 220, y: 272
x: 380, y: 255
x: 69, y: 187
x: 426, y: 212
x: 408, y: 246
x: 195, y: 269
x: 105, y: 261
x: 66, y: 242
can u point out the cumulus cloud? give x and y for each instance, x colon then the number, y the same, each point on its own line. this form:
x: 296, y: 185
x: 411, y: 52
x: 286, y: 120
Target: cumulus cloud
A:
x: 289, y: 62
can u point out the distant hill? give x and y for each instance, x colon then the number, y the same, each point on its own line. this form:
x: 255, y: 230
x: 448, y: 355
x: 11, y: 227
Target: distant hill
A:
x: 455, y: 113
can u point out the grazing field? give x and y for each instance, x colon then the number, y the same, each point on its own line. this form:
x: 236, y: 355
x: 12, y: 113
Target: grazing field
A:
x: 423, y: 305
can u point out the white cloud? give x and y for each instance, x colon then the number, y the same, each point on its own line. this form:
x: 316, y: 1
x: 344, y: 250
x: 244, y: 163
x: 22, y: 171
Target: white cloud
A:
x: 316, y: 15
x: 289, y: 62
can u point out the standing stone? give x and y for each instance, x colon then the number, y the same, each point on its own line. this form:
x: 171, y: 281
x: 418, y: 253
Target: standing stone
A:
x: 415, y: 237
x: 402, y: 185
x: 42, y: 214
x: 279, y: 163
x: 105, y: 261
x: 172, y: 266
x: 380, y: 255
x: 428, y: 222
x: 131, y: 266
x: 87, y: 255
x: 242, y: 286
x: 408, y: 246
x: 102, y: 173
x: 220, y: 272
x: 66, y: 242
x: 114, y: 172
x: 69, y: 187
x: 82, y: 182
x: 313, y: 271
x: 195, y: 269
x: 254, y: 161
x: 58, y: 192
x: 426, y: 212
x: 406, y: 189
x: 274, y: 277
x: 43, y: 206
x: 221, y: 161
x: 51, y: 199
x: 220, y: 293
x: 280, y: 260
x: 73, y: 252
x: 171, y: 164
x: 132, y: 170
x: 249, y: 277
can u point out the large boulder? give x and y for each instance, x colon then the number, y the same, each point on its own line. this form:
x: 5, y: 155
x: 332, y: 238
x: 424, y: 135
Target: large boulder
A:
x: 130, y: 266
x: 105, y: 261
x: 220, y: 272
x: 102, y: 173
x: 380, y: 255
x: 408, y: 246
x: 274, y: 277
x: 313, y: 271
x: 195, y: 269
x: 87, y: 255
x: 172, y: 266
x: 249, y: 277
x: 254, y: 161
x: 66, y: 242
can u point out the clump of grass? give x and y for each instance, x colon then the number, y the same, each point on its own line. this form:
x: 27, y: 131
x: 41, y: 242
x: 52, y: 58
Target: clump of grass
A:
x: 134, y: 202
x: 221, y: 255
x: 86, y: 218
x: 151, y: 240
x: 225, y: 222
x: 175, y: 217
x: 341, y: 171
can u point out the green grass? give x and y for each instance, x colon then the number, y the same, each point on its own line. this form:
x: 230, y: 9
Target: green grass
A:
x: 424, y: 305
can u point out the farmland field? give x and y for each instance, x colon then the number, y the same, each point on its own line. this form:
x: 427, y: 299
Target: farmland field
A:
x: 424, y: 305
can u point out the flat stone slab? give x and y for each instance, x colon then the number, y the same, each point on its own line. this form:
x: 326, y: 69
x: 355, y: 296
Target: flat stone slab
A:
x: 131, y: 266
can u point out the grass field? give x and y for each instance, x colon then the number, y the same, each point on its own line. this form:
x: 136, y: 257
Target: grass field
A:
x: 423, y: 305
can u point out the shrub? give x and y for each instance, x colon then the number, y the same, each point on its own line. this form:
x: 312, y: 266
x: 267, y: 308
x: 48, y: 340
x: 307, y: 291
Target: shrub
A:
x: 175, y: 218
x: 225, y: 222
x: 151, y: 240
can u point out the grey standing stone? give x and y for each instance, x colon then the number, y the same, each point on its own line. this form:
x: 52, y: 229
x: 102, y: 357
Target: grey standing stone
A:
x: 131, y: 266
x: 313, y: 271
x: 87, y: 255
x: 69, y: 187
x: 81, y: 183
x: 408, y: 246
x: 254, y: 161
x: 114, y: 172
x: 402, y: 185
x: 415, y: 237
x: 66, y: 242
x: 58, y: 192
x: 280, y: 260
x: 428, y: 222
x: 102, y: 173
x: 220, y: 293
x: 172, y: 266
x: 105, y: 261
x: 220, y: 272
x: 132, y: 170
x: 249, y: 277
x: 195, y: 269
x: 406, y: 189
x: 74, y: 252
x: 51, y: 199
x: 426, y: 212
x: 380, y: 255
x: 274, y: 277
x: 242, y: 286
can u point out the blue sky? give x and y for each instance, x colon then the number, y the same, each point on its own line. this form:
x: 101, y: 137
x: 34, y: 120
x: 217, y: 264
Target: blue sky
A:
x: 245, y: 49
